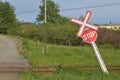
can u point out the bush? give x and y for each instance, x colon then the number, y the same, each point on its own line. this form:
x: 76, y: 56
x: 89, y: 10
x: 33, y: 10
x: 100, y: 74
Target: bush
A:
x: 64, y: 34
x: 107, y: 36
x: 3, y: 30
x: 7, y: 16
x: 50, y: 33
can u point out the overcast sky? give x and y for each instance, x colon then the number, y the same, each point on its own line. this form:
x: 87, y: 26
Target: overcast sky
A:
x: 27, y: 10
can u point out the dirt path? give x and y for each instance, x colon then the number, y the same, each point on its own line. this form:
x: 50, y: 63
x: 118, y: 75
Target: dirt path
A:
x: 9, y: 57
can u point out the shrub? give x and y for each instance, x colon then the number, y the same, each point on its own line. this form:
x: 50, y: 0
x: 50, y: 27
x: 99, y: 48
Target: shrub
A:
x: 107, y: 36
x: 64, y: 34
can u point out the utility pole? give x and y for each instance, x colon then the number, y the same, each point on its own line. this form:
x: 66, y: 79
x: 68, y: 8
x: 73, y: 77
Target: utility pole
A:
x: 45, y: 13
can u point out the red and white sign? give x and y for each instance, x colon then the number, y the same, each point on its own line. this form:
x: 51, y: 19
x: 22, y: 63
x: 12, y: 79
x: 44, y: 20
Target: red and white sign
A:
x: 87, y: 31
x: 84, y: 24
x: 89, y: 35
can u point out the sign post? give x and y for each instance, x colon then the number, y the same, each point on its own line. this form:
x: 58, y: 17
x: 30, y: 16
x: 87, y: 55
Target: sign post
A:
x: 88, y: 33
x: 99, y: 58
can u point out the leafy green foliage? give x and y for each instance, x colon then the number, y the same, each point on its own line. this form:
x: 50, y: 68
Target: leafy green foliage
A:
x: 7, y: 17
x: 50, y: 33
x: 52, y: 12
x: 64, y: 34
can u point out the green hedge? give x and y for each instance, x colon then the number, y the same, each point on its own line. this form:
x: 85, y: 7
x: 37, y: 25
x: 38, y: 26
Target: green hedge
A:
x: 64, y: 34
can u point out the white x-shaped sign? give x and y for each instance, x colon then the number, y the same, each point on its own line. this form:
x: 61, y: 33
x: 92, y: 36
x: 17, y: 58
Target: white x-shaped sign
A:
x: 84, y: 23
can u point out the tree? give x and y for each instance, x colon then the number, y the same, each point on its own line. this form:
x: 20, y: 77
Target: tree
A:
x: 7, y: 15
x: 52, y: 11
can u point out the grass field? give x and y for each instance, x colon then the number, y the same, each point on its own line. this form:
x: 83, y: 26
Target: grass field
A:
x: 70, y: 74
x: 69, y: 56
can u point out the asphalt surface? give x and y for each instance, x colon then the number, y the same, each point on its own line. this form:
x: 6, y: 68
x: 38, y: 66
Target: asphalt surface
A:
x: 9, y: 57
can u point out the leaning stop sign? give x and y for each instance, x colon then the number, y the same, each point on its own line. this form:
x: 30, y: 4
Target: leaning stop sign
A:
x: 89, y: 35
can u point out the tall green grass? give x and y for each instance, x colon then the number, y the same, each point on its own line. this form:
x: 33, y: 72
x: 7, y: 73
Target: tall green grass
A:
x: 70, y: 74
x: 67, y: 55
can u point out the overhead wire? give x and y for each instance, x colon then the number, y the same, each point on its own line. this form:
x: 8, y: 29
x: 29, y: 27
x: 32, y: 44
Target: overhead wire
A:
x: 70, y: 9
x: 96, y: 6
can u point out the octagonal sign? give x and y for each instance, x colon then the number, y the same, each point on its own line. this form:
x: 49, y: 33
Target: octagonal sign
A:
x: 89, y: 35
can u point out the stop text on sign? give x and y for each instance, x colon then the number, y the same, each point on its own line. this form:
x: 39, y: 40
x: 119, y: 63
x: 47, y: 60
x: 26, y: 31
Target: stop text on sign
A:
x: 89, y: 35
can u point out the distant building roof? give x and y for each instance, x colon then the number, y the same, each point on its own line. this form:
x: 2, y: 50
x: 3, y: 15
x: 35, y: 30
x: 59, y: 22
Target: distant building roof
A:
x: 109, y: 24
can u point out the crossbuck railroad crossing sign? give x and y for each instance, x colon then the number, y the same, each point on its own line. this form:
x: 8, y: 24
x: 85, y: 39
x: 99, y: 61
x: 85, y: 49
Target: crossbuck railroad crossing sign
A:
x: 88, y: 33
x: 84, y: 23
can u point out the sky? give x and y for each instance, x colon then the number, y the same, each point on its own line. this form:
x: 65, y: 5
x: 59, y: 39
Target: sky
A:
x: 27, y: 10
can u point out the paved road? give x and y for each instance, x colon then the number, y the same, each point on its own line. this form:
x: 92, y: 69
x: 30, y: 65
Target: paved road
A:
x: 9, y: 57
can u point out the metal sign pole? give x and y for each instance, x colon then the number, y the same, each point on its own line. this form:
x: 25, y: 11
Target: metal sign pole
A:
x: 90, y: 37
x: 45, y: 12
x: 99, y: 58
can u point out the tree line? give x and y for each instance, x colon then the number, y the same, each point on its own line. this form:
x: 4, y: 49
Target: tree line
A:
x: 7, y: 16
